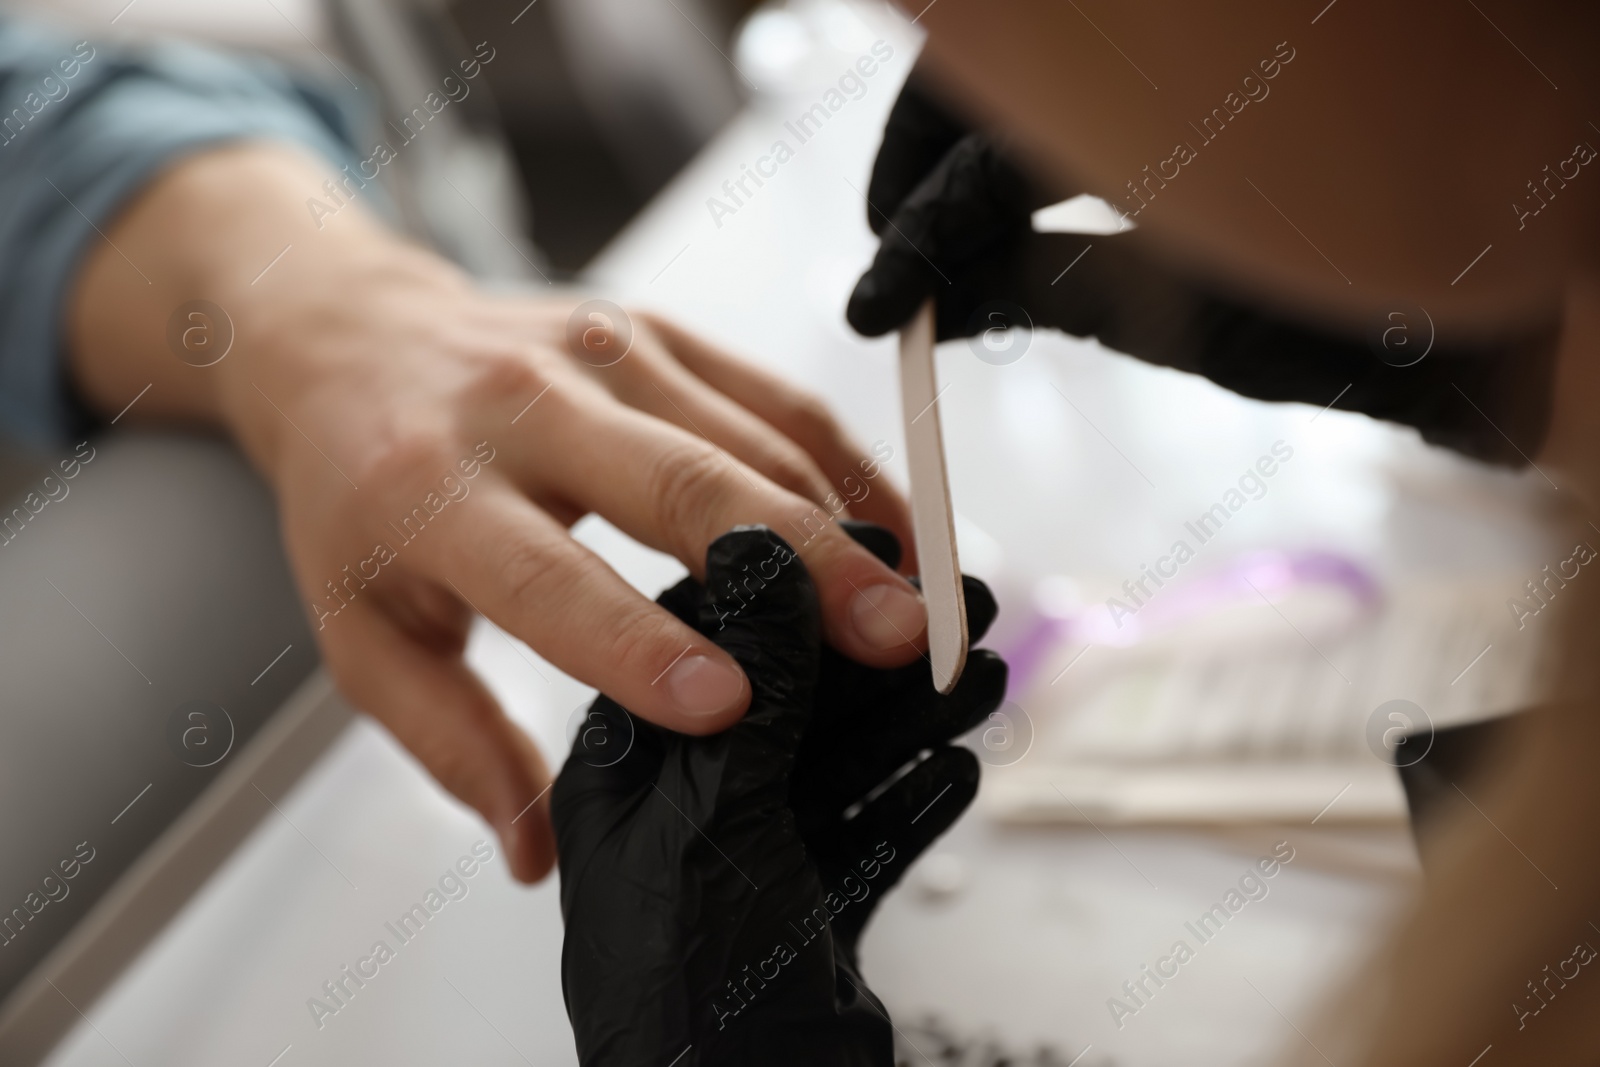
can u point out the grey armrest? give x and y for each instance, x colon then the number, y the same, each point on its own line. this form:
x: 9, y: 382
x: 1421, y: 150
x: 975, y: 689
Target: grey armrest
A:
x: 143, y: 594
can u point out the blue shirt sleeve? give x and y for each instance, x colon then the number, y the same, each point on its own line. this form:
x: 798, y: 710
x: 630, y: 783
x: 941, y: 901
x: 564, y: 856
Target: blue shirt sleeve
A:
x: 83, y: 126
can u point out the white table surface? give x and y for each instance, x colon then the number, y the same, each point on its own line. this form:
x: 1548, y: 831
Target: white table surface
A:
x: 1050, y: 922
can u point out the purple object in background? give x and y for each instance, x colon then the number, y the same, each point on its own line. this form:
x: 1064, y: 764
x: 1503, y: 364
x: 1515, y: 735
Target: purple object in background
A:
x: 1262, y: 573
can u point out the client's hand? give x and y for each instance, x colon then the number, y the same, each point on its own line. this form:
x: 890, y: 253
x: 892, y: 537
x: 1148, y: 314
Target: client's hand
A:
x: 429, y: 443
x: 714, y: 888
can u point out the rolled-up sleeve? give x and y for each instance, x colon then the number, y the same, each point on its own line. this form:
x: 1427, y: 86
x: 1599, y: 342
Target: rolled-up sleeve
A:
x: 83, y: 126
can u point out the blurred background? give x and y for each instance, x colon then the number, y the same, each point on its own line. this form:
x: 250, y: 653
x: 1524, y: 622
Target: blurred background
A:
x: 595, y: 105
x: 1135, y: 772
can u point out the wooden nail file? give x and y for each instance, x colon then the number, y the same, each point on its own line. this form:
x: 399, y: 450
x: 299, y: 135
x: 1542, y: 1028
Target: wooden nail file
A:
x: 932, y: 516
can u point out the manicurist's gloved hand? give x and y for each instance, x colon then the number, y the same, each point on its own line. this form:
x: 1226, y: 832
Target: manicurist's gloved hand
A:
x: 713, y: 888
x: 953, y: 208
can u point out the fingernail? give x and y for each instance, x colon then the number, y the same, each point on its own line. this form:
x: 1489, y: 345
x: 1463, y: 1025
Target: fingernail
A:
x: 701, y: 685
x: 887, y: 616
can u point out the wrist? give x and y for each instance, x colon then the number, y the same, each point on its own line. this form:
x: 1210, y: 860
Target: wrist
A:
x: 227, y: 232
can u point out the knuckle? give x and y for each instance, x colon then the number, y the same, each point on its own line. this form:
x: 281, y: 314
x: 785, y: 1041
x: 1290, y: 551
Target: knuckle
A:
x: 509, y: 376
x: 796, y: 474
x: 641, y: 643
x: 407, y: 460
x: 687, y: 484
x: 530, y: 574
x: 808, y: 419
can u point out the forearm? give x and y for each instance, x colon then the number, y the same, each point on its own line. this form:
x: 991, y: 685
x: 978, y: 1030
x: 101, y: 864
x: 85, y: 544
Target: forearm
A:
x: 212, y: 228
x: 1488, y: 399
x: 1571, y: 451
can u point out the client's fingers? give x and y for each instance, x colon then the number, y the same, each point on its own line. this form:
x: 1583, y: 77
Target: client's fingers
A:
x: 851, y: 472
x: 439, y: 710
x: 882, y: 543
x: 523, y: 570
x: 662, y: 386
x: 675, y: 492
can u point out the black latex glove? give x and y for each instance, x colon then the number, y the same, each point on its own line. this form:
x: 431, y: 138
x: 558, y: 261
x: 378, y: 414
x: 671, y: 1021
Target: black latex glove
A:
x: 953, y: 210
x: 713, y: 889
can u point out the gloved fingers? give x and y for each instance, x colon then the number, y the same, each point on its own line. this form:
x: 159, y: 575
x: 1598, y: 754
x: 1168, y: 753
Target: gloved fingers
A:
x: 614, y: 751
x: 924, y: 124
x: 927, y: 717
x: 878, y: 540
x: 1081, y: 284
x: 898, y: 826
x: 882, y: 543
x: 776, y: 637
x: 614, y: 759
x: 846, y: 763
x: 684, y: 600
x: 981, y: 606
x: 611, y: 739
x: 914, y: 812
x: 893, y: 288
x: 920, y: 130
x: 852, y: 692
x: 898, y: 710
x: 1065, y: 281
x: 970, y: 203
